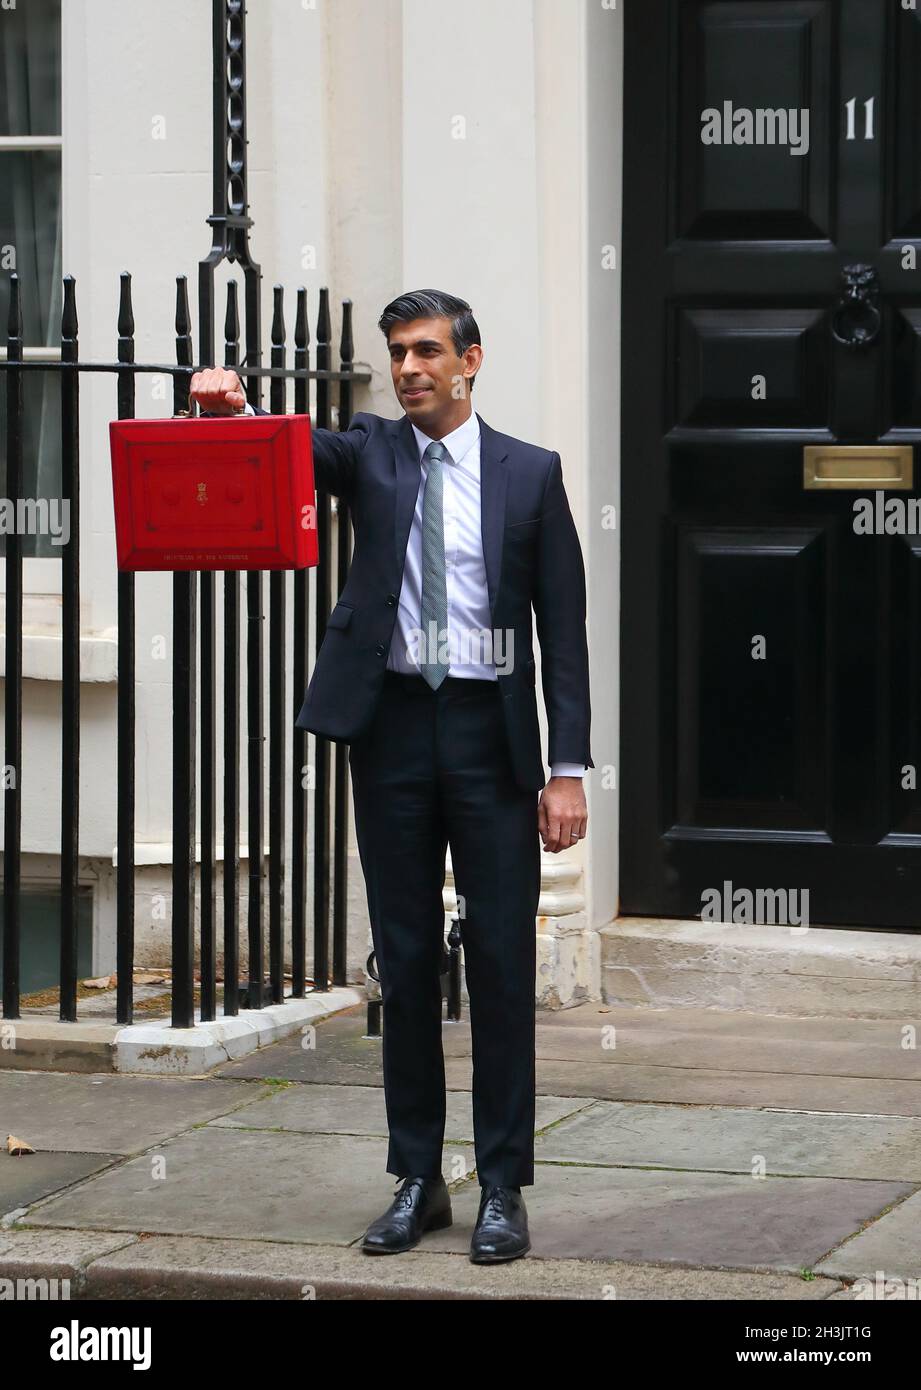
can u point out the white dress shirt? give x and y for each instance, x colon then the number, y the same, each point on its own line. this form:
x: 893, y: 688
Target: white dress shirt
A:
x: 469, y: 636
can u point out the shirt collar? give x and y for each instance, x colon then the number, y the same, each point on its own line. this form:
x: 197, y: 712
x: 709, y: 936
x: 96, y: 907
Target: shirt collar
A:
x: 457, y: 443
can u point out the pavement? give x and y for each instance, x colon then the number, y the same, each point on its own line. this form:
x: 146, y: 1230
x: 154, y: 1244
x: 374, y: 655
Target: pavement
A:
x: 680, y: 1154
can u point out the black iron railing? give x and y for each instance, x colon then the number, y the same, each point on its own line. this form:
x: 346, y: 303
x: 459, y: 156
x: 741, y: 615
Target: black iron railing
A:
x: 194, y: 644
x: 194, y: 664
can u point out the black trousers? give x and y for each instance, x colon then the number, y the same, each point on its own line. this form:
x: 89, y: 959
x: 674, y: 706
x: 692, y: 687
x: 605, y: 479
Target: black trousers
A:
x: 433, y: 769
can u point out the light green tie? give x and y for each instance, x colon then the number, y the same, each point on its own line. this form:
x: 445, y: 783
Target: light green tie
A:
x: 434, y: 576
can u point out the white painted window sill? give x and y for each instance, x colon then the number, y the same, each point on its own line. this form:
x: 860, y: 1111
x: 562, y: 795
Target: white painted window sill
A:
x: 161, y: 852
x: 42, y: 656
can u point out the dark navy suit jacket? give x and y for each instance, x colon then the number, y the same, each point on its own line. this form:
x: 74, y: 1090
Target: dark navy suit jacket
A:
x: 532, y: 556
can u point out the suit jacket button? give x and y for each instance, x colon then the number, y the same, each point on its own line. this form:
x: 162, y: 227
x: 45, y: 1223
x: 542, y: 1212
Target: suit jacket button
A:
x: 391, y: 600
x: 381, y: 649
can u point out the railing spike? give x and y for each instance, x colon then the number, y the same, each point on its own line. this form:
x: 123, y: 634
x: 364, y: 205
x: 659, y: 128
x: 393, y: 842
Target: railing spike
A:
x: 324, y: 323
x: 183, y: 346
x: 346, y: 345
x: 301, y: 325
x: 125, y: 310
x: 14, y: 321
x: 69, y: 312
x: 232, y: 317
x: 278, y: 316
x: 183, y: 316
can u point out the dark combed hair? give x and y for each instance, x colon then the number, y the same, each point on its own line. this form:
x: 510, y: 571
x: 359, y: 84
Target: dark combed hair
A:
x: 429, y: 304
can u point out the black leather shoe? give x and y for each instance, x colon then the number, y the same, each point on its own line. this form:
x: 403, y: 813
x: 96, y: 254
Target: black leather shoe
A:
x: 420, y: 1205
x: 501, y: 1230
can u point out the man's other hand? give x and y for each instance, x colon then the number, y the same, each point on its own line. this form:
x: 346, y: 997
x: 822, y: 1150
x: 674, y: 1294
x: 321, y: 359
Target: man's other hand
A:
x: 218, y: 390
x: 562, y: 814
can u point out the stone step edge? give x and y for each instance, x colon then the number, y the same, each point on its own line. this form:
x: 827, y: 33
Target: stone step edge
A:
x: 898, y: 953
x: 126, y: 1267
x: 156, y: 1048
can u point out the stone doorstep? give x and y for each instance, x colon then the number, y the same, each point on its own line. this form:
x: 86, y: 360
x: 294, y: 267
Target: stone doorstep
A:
x: 110, y: 1265
x: 44, y: 1044
x: 830, y: 971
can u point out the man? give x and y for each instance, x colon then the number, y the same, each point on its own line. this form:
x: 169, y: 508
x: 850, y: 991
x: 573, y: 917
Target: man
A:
x: 426, y: 670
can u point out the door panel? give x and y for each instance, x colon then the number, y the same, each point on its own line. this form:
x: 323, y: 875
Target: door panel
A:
x: 718, y: 352
x: 749, y: 734
x: 771, y: 56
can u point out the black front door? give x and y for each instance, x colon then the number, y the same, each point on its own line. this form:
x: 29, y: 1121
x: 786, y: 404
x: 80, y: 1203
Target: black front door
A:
x: 771, y: 626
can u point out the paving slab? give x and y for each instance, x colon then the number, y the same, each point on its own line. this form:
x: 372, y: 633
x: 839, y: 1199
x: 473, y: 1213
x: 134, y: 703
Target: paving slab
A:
x: 779, y: 1090
x: 780, y: 1051
x: 242, y: 1183
x: 25, y: 1178
x: 27, y: 1254
x: 109, y: 1113
x: 891, y: 1245
x: 722, y: 1221
x: 644, y: 1158
x: 361, y: 1110
x: 336, y: 1052
x: 721, y: 1139
x: 645, y: 1037
x: 186, y: 1267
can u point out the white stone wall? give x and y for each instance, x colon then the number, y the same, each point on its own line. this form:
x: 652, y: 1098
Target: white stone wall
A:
x: 394, y: 144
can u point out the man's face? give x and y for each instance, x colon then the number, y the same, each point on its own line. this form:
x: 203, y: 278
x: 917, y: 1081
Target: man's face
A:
x: 427, y: 372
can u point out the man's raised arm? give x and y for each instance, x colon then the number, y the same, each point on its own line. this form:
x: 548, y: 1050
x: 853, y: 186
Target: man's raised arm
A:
x: 219, y: 391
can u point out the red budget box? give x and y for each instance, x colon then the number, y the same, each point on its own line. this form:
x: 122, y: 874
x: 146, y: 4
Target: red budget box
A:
x: 233, y: 492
